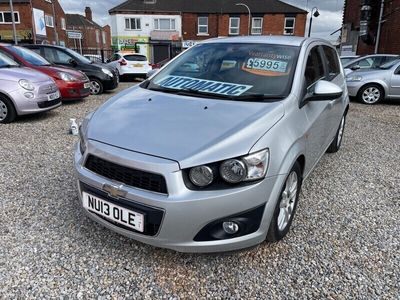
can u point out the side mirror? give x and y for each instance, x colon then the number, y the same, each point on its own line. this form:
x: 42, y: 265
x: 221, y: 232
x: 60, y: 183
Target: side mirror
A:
x: 355, y: 67
x: 152, y: 72
x: 324, y: 91
x: 73, y: 62
x: 108, y: 60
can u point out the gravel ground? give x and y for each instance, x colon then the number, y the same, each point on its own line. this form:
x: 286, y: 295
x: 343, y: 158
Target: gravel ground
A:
x: 344, y: 241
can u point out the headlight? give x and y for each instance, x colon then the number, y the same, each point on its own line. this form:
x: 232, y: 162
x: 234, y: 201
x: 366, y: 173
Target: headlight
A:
x: 26, y: 84
x: 82, y: 141
x: 107, y: 72
x: 247, y: 168
x: 201, y: 176
x: 354, y: 78
x: 67, y: 77
x: 233, y: 171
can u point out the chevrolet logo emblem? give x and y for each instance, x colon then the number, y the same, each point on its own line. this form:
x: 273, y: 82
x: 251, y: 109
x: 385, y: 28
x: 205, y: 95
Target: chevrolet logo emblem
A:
x: 114, y: 191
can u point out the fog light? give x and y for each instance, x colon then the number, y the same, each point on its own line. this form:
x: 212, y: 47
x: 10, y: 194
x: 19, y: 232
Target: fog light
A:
x: 230, y: 227
x: 29, y: 95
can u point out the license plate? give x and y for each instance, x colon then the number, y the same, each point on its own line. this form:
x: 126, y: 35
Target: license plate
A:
x: 137, y: 65
x: 116, y: 213
x: 86, y: 85
x: 53, y: 96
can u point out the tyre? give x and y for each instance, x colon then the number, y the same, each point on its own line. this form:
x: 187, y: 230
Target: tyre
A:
x: 371, y: 94
x: 7, y: 110
x: 337, y: 141
x: 286, y: 206
x: 96, y: 87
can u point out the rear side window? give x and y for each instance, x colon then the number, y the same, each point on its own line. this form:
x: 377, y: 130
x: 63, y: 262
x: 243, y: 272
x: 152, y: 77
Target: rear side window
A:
x: 314, y: 67
x: 135, y: 57
x: 49, y: 54
x: 332, y: 62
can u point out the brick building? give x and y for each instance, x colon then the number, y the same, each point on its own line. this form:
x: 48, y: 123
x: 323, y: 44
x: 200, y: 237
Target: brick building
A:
x: 156, y: 23
x: 37, y: 21
x: 360, y: 25
x: 94, y: 36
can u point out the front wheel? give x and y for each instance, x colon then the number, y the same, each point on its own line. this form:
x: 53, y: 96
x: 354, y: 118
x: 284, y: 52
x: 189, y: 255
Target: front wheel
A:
x: 286, y: 206
x: 337, y: 141
x: 96, y: 87
x: 7, y: 110
x: 371, y: 94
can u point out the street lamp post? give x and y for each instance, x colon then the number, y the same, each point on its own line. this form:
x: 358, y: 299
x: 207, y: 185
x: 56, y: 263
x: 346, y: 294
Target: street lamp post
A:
x: 248, y: 8
x: 13, y: 23
x: 315, y: 14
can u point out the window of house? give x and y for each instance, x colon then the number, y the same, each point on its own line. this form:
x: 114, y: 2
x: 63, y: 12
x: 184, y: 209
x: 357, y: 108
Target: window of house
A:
x: 289, y: 26
x: 63, y: 24
x: 97, y: 36
x: 103, y: 34
x: 49, y: 21
x: 5, y: 17
x: 234, y: 24
x: 332, y: 62
x: 62, y: 43
x: 314, y: 68
x: 202, y: 25
x: 164, y: 24
x: 256, y: 25
x: 133, y: 24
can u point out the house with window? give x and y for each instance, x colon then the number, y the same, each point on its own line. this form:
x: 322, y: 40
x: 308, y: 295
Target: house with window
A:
x: 152, y: 23
x: 92, y: 36
x: 36, y: 21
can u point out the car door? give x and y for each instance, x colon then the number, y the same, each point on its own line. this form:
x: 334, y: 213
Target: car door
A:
x: 317, y: 112
x: 395, y: 83
x: 335, y: 107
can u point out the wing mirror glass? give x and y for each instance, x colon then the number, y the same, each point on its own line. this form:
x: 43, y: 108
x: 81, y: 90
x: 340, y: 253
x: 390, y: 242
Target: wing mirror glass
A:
x: 355, y: 67
x: 72, y: 62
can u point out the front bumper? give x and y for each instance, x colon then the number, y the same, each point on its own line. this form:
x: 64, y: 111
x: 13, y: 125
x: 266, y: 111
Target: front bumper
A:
x: 185, y: 212
x: 39, y: 103
x: 353, y: 87
x: 73, y: 90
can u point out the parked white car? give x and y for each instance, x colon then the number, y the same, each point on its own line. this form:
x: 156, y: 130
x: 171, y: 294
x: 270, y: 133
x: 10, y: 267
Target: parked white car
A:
x: 130, y: 64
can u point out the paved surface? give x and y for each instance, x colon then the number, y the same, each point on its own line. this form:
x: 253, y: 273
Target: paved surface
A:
x: 344, y: 243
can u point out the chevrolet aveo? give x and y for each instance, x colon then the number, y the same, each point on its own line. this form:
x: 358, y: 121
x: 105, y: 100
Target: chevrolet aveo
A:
x: 210, y: 153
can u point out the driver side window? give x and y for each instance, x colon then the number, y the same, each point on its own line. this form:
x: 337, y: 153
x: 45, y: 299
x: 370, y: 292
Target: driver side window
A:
x: 62, y: 57
x: 314, y: 68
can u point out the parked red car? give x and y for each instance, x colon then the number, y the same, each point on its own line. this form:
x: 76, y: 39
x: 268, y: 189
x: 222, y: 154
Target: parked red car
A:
x: 73, y: 84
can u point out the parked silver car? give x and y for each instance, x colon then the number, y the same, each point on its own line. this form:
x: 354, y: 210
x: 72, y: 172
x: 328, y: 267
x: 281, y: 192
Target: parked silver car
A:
x: 372, y: 61
x: 212, y: 157
x: 372, y: 86
x: 24, y: 91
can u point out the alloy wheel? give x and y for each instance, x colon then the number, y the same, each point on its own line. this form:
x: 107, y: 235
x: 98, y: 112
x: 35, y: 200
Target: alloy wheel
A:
x: 3, y: 111
x: 95, y: 87
x: 371, y: 95
x: 288, y: 201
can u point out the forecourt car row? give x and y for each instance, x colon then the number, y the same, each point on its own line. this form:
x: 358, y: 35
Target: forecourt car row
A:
x: 39, y: 80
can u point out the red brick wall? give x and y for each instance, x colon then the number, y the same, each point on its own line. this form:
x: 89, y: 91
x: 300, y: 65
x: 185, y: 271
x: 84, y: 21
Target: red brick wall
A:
x: 218, y: 25
x: 26, y: 19
x: 89, y: 37
x: 389, y: 43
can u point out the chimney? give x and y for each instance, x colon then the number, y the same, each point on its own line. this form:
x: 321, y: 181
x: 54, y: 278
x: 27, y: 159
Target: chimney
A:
x: 88, y: 13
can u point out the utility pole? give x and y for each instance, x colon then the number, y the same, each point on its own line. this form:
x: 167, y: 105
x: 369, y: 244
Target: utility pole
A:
x: 378, y: 34
x: 54, y: 22
x: 248, y: 9
x: 13, y: 23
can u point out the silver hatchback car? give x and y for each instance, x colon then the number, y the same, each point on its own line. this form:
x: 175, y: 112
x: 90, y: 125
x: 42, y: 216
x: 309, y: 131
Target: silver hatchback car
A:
x: 24, y: 91
x: 210, y: 153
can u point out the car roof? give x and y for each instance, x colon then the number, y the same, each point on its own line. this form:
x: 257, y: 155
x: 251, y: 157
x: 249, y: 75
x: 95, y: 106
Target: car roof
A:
x: 267, y: 39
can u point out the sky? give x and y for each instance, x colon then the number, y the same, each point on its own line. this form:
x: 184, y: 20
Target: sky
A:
x: 330, y: 18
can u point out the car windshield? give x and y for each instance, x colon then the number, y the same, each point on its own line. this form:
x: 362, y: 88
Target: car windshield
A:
x: 390, y: 64
x: 30, y: 56
x: 6, y: 62
x: 78, y: 57
x: 248, y: 71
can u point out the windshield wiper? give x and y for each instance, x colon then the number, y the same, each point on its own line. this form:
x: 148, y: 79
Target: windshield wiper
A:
x: 9, y: 66
x: 258, y: 97
x: 164, y: 89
